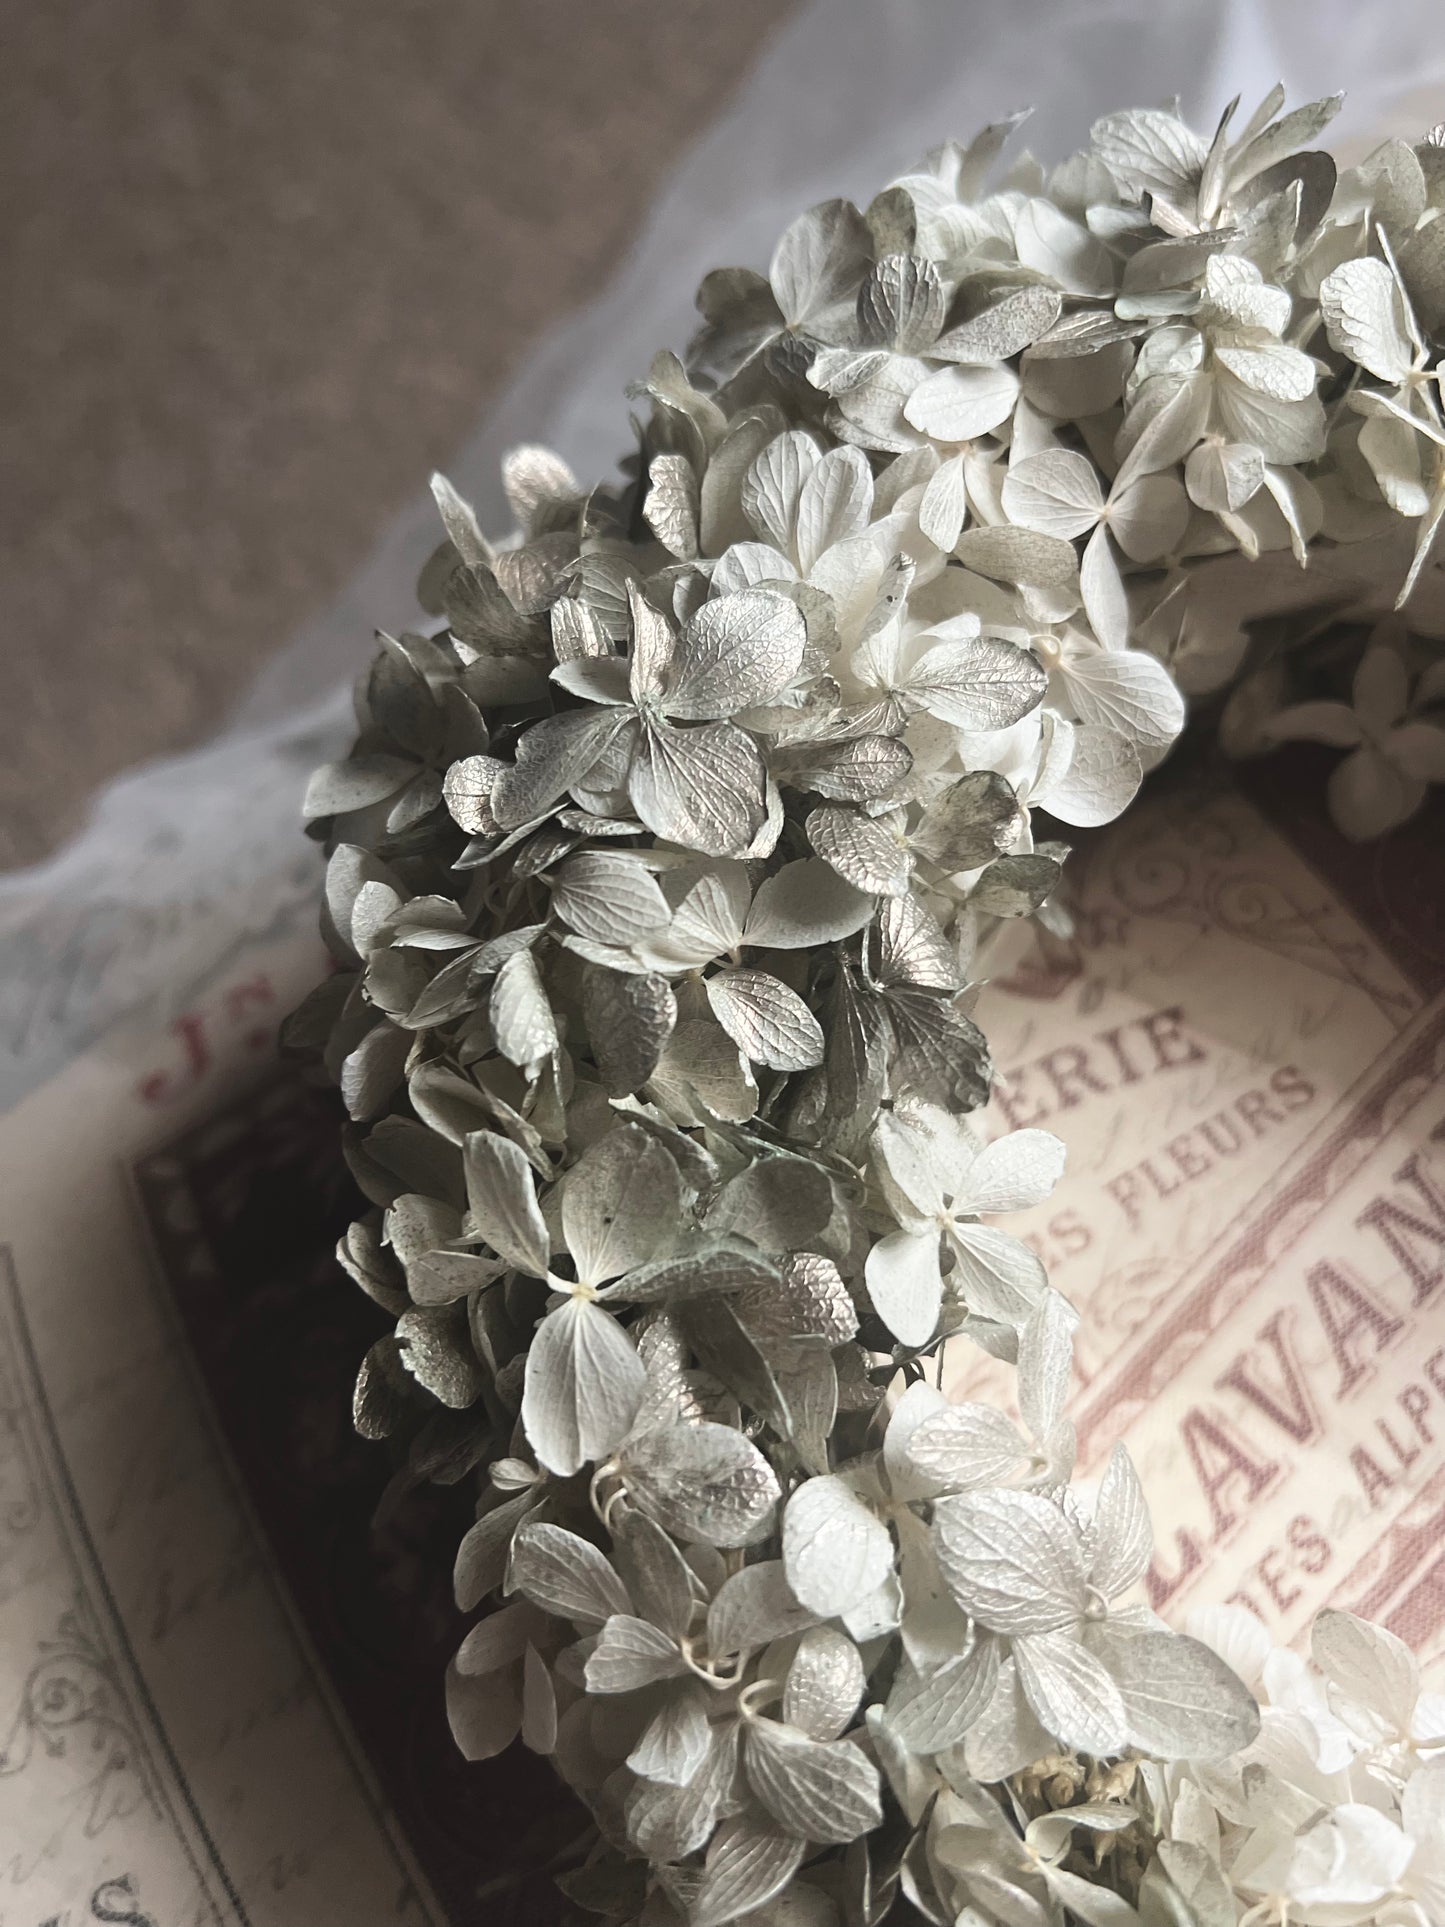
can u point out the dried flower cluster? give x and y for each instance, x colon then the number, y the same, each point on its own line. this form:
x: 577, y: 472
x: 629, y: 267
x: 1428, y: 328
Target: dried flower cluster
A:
x: 1333, y: 1816
x: 658, y: 877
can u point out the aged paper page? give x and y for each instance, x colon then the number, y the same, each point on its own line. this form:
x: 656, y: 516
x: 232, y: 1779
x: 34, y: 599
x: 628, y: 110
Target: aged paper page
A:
x: 1252, y: 1223
x: 169, y: 1752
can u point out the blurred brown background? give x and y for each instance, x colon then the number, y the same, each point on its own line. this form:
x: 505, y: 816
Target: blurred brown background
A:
x: 265, y: 264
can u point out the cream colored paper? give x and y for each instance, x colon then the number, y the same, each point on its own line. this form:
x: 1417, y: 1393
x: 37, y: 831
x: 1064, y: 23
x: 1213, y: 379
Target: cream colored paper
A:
x: 1252, y: 1222
x: 169, y: 1755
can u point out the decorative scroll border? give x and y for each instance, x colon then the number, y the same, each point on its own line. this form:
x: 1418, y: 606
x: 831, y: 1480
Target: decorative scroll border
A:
x: 167, y: 1787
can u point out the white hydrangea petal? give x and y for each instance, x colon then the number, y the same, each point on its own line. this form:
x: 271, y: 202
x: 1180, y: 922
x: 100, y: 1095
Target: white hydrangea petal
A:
x: 925, y: 1153
x: 1128, y: 692
x: 1368, y: 1666
x: 1071, y: 1693
x: 918, y: 1402
x: 1000, y: 1276
x: 584, y: 1386
x: 905, y: 1284
x: 621, y: 1205
x: 1353, y: 1857
x: 833, y: 504
x: 773, y: 486
x: 836, y: 1550
x: 955, y: 403
x: 1100, y: 781
x: 1013, y: 1173
x: 1056, y: 492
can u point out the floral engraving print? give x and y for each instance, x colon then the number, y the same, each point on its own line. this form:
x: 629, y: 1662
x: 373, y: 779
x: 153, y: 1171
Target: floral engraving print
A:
x: 662, y: 883
x: 74, y: 1711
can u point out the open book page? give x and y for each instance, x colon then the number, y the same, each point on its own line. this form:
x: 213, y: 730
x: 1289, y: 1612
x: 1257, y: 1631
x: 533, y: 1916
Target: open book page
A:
x: 1245, y: 1060
x: 169, y: 1750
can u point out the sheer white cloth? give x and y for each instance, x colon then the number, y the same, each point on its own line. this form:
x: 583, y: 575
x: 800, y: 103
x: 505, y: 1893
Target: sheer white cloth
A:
x: 185, y: 860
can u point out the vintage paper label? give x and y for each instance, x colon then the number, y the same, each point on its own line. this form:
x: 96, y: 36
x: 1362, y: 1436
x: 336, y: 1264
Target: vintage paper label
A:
x: 1248, y: 1076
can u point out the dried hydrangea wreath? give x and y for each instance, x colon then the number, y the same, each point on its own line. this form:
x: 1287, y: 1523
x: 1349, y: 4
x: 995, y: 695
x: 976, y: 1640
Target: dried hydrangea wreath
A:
x: 659, y: 876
